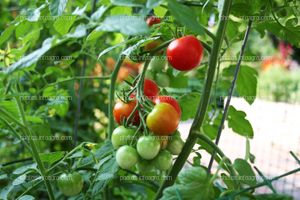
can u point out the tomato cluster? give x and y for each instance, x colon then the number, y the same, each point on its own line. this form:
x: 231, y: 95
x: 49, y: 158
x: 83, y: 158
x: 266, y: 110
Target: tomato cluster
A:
x: 152, y: 145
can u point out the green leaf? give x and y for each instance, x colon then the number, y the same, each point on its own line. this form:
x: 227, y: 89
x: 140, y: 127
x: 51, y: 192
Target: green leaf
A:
x: 186, y: 16
x: 193, y: 184
x: 27, y: 197
x: 153, y: 3
x: 5, y: 35
x: 238, y: 123
x: 63, y: 24
x: 23, y: 169
x: 246, y: 174
x: 57, y: 7
x: 189, y: 103
x: 51, y: 157
x: 99, y: 12
x: 128, y: 25
x: 273, y: 197
x: 247, y: 83
x: 30, y: 58
x: 19, y: 180
x: 131, y: 3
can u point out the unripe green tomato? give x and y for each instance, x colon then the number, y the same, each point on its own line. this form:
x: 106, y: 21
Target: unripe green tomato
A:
x: 163, y: 161
x: 70, y: 184
x: 162, y: 80
x: 149, y: 74
x: 126, y: 157
x: 176, y: 144
x: 122, y: 136
x: 144, y: 166
x: 157, y: 63
x: 148, y: 147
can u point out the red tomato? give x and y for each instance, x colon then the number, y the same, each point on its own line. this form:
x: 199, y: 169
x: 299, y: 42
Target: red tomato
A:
x: 169, y: 100
x: 185, y: 53
x: 123, y: 110
x: 163, y: 119
x: 153, y: 20
x: 151, y: 90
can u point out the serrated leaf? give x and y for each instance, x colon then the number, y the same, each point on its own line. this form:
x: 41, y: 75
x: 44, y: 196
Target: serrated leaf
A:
x: 5, y: 35
x: 98, y: 14
x: 63, y: 24
x: 57, y: 7
x: 238, y: 123
x: 189, y: 103
x: 19, y: 180
x: 128, y: 25
x: 247, y: 83
x: 193, y: 184
x: 186, y: 16
x: 246, y: 174
x: 52, y: 157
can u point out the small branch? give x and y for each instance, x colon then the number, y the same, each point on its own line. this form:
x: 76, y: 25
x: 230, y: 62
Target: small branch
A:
x: 237, y: 69
x: 268, y: 183
x: 295, y: 157
x: 15, y: 162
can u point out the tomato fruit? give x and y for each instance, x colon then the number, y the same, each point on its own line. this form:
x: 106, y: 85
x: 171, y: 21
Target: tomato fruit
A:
x: 123, y: 110
x: 70, y: 184
x: 151, y: 90
x: 163, y: 161
x: 148, y: 147
x: 153, y: 20
x: 126, y: 157
x: 121, y: 136
x: 176, y: 144
x: 162, y: 80
x: 185, y: 53
x: 157, y: 63
x: 144, y: 166
x: 163, y: 119
x: 170, y: 100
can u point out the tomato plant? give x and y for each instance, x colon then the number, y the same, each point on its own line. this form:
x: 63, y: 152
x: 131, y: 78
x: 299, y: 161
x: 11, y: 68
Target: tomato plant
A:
x: 148, y: 147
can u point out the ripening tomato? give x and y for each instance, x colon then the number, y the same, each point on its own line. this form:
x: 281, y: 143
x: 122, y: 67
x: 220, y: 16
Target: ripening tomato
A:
x: 126, y: 157
x: 153, y: 20
x: 70, y: 184
x: 150, y: 88
x: 123, y: 110
x: 169, y: 100
x: 163, y: 119
x: 185, y: 53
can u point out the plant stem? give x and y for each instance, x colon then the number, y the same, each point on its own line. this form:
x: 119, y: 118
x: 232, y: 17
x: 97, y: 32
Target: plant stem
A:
x: 237, y: 69
x: 202, y: 107
x: 264, y: 182
x: 34, y: 151
x: 112, y: 92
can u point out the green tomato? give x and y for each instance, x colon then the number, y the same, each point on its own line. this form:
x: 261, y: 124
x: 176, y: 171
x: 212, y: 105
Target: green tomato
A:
x: 148, y: 147
x: 162, y: 80
x: 122, y: 136
x: 157, y: 63
x: 163, y: 161
x: 70, y: 184
x: 144, y: 166
x: 126, y: 157
x: 176, y: 144
x: 149, y: 74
